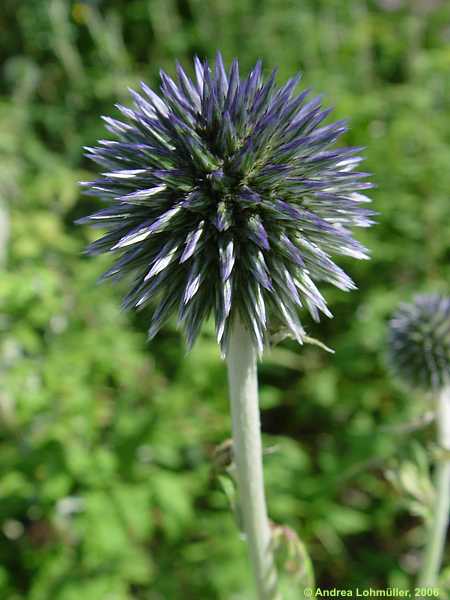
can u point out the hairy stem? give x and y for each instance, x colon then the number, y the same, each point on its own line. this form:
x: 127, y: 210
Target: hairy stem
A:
x: 438, y: 528
x: 247, y: 452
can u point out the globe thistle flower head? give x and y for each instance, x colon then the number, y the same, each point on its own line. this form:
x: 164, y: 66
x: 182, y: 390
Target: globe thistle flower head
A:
x: 419, y: 342
x: 226, y: 196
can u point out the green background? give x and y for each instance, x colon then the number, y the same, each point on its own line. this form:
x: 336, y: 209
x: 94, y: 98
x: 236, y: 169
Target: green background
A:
x: 106, y: 486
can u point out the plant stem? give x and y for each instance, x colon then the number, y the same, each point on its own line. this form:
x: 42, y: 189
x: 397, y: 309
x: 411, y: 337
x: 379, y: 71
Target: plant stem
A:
x: 247, y: 453
x: 438, y: 527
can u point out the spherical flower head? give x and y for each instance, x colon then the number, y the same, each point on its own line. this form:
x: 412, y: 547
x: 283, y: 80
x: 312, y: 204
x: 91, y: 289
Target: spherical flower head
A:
x: 419, y: 342
x: 226, y: 197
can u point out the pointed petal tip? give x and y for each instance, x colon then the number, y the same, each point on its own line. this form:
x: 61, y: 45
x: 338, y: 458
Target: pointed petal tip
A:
x: 151, y: 333
x: 82, y: 220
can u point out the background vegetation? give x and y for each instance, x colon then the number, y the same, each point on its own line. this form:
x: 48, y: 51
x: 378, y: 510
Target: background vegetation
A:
x: 106, y: 442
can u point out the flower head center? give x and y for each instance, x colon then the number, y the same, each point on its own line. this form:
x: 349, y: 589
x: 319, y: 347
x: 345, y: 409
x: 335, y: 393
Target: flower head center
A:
x: 217, y: 180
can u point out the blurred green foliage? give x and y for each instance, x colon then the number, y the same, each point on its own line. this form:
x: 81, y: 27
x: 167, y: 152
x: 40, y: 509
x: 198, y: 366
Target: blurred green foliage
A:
x: 106, y: 489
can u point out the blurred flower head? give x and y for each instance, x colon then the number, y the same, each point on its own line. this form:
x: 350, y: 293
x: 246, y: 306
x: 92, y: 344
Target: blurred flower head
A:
x: 225, y: 194
x: 419, y: 342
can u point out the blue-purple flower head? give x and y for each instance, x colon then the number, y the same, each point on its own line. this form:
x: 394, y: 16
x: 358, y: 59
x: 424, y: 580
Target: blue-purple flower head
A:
x: 419, y: 342
x: 226, y: 196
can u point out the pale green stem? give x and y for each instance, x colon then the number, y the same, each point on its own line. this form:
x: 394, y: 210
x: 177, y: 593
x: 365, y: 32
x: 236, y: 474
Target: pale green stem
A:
x: 247, y: 453
x: 438, y: 528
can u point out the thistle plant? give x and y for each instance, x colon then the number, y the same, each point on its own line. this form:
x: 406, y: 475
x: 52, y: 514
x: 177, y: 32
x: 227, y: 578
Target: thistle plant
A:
x: 226, y: 198
x: 419, y: 351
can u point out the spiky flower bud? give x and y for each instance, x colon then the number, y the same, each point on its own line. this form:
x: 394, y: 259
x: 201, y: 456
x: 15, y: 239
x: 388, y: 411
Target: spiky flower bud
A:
x: 419, y: 342
x: 225, y: 195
